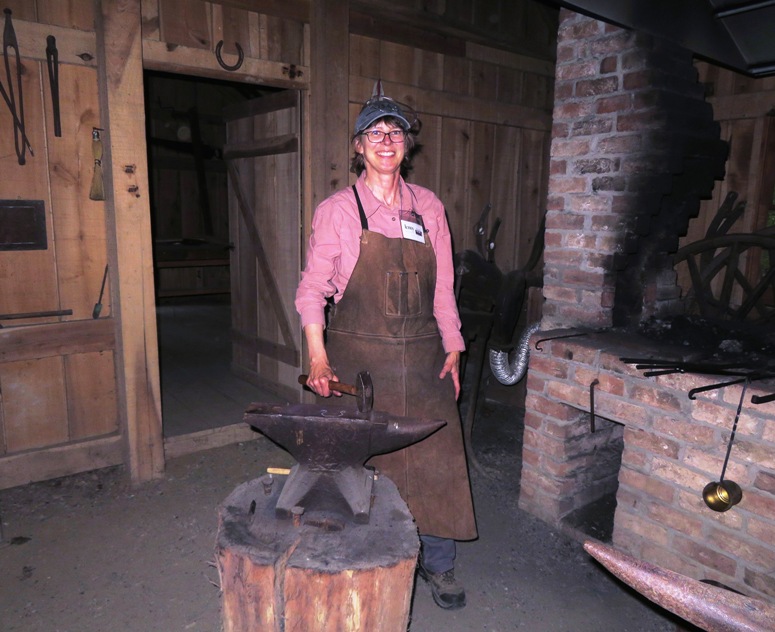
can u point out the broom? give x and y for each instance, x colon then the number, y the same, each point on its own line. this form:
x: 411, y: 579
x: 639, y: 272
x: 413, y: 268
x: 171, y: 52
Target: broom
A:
x: 97, y: 191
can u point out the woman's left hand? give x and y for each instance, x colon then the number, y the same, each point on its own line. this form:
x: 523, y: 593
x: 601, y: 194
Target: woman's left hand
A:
x: 452, y: 368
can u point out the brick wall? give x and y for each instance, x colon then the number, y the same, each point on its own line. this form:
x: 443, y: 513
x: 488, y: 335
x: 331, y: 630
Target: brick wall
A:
x: 634, y: 149
x: 670, y: 448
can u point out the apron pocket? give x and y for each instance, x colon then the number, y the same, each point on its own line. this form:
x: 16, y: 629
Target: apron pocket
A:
x: 402, y: 294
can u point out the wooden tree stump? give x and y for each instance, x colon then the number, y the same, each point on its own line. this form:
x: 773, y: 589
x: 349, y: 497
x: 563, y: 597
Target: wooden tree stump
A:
x: 317, y: 572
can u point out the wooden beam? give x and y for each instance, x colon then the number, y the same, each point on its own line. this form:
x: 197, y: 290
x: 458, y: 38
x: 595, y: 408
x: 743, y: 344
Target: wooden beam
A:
x: 203, y: 63
x: 287, y: 143
x: 508, y: 59
x: 64, y: 460
x: 73, y: 46
x: 381, y: 26
x: 329, y: 123
x: 288, y: 9
x: 740, y: 106
x: 181, y: 445
x: 455, y: 106
x: 30, y: 342
x: 122, y: 108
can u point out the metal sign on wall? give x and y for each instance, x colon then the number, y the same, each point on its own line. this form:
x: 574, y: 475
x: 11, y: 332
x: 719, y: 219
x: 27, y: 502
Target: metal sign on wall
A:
x: 22, y: 225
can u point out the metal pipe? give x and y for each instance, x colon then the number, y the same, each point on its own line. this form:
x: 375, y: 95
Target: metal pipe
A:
x: 509, y: 373
x: 744, y: 7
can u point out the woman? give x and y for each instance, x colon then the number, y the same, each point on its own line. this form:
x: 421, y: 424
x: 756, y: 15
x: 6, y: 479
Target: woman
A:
x: 382, y: 250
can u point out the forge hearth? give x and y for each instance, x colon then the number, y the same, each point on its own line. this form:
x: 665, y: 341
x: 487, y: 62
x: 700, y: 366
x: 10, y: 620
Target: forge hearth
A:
x: 655, y: 449
x: 739, y: 345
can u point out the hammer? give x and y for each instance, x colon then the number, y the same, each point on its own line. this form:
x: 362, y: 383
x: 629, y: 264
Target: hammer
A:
x: 363, y: 390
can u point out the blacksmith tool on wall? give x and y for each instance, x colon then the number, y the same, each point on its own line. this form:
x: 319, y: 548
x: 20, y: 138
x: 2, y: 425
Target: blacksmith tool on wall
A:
x: 20, y: 140
x: 52, y: 61
x: 97, y: 190
x: 363, y: 389
x: 330, y: 445
x: 701, y: 603
x: 98, y: 305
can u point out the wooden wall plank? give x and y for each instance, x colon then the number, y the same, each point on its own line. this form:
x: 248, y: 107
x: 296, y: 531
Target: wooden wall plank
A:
x: 427, y: 163
x: 21, y: 10
x: 54, y: 339
x: 91, y: 395
x: 150, y: 13
x: 482, y: 173
x: 454, y: 152
x: 505, y: 185
x: 79, y: 223
x: 75, y: 14
x: 285, y: 41
x: 364, y: 56
x: 185, y: 23
x: 236, y: 29
x: 428, y: 69
x: 59, y: 461
x: 34, y: 403
x: 395, y: 63
x: 123, y: 110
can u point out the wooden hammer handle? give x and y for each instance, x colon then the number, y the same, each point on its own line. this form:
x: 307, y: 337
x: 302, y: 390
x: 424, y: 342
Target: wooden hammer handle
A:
x: 349, y: 389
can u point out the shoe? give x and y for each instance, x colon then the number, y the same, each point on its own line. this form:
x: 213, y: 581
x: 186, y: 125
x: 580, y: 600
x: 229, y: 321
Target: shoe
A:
x: 447, y: 592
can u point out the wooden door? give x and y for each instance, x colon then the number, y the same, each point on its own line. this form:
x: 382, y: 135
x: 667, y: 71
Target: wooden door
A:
x: 263, y: 159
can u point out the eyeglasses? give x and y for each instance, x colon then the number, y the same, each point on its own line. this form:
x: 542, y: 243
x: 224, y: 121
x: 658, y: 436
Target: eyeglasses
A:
x: 378, y: 136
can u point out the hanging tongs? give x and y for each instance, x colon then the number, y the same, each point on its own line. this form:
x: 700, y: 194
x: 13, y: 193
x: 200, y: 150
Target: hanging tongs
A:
x: 486, y: 245
x: 52, y: 61
x: 20, y: 139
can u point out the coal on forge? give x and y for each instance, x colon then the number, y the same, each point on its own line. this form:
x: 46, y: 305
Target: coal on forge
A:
x: 692, y: 344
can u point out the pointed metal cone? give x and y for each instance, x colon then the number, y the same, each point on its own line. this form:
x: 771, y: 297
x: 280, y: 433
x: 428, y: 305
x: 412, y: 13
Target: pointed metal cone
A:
x: 377, y: 90
x: 711, y: 608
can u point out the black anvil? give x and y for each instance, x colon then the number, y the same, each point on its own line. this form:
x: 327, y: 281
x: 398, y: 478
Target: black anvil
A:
x: 331, y: 445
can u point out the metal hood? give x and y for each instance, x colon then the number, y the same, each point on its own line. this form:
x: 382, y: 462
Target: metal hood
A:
x: 740, y: 35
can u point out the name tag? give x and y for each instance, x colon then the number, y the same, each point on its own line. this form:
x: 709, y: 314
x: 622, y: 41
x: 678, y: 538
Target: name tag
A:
x: 412, y: 230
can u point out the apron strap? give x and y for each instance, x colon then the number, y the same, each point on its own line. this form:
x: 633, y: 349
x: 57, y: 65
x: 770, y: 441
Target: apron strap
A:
x: 361, y: 212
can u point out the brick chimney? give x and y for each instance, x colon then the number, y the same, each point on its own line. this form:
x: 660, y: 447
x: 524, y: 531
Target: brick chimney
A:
x: 634, y: 149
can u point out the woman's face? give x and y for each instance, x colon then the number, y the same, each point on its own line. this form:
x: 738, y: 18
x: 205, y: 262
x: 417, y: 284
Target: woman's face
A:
x: 384, y: 157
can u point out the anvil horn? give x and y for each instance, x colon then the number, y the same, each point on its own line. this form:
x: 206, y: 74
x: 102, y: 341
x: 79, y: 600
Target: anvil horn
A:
x: 709, y: 607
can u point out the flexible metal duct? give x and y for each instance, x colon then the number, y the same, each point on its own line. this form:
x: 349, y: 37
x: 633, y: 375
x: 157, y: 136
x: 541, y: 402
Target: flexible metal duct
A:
x: 511, y: 373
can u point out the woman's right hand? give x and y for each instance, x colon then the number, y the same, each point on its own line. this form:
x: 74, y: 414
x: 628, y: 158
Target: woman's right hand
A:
x: 320, y: 374
x: 320, y: 371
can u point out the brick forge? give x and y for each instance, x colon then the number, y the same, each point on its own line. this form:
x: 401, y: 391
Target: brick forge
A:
x: 634, y: 150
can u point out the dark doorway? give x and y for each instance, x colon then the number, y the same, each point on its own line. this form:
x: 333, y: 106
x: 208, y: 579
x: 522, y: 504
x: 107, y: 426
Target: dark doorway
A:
x: 186, y: 134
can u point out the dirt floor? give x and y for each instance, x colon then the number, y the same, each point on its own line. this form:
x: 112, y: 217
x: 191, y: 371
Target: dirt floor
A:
x: 90, y: 553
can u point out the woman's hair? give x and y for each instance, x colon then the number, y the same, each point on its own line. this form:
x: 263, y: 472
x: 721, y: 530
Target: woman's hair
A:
x: 358, y: 164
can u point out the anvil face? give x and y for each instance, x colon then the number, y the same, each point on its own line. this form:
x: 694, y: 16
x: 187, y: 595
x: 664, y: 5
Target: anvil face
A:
x: 331, y: 444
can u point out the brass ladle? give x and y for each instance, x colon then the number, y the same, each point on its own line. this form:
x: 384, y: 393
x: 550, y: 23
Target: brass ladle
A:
x: 722, y: 495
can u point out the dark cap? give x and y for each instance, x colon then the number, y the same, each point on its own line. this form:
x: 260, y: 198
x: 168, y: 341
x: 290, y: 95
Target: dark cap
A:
x: 377, y: 108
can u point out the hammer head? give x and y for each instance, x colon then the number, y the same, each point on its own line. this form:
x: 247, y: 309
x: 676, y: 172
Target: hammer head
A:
x: 364, y: 392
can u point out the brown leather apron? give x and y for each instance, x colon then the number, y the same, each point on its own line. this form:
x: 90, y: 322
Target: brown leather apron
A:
x: 384, y: 324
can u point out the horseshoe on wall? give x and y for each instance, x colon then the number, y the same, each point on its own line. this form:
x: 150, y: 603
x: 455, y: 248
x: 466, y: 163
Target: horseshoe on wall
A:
x: 222, y: 63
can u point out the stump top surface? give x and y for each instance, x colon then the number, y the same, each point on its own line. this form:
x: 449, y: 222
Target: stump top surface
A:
x: 322, y: 541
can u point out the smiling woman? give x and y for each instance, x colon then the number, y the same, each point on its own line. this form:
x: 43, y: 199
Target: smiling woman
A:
x: 403, y: 328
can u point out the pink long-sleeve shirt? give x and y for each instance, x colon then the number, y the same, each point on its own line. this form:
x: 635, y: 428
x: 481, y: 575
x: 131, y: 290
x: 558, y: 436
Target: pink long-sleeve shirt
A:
x: 334, y: 247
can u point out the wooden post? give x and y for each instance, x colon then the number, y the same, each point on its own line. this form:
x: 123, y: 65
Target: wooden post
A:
x: 329, y: 90
x: 317, y: 572
x: 119, y: 51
